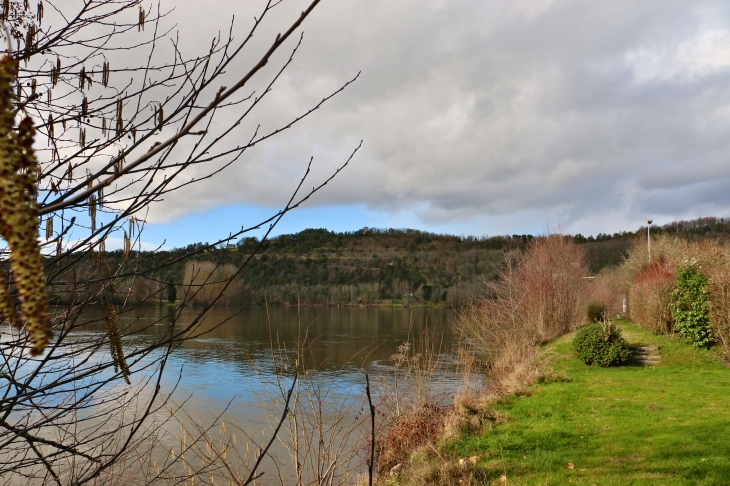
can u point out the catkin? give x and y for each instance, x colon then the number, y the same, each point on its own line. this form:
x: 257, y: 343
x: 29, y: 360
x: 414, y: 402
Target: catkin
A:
x: 84, y: 107
x: 92, y: 212
x: 19, y: 217
x: 120, y: 122
x: 33, y: 87
x: 29, y: 40
x: 127, y: 245
x: 140, y: 24
x: 55, y: 72
x: 6, y: 10
x: 39, y: 13
x: 50, y: 128
x: 49, y: 228
x: 82, y: 137
x: 103, y: 126
x: 105, y: 74
x: 115, y: 343
x: 82, y: 77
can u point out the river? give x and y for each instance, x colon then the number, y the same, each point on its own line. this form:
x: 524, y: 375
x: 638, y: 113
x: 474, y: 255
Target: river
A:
x: 242, y: 366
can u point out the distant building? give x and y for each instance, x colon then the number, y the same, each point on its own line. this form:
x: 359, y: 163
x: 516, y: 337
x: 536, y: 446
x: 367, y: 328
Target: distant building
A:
x: 365, y: 230
x: 230, y: 246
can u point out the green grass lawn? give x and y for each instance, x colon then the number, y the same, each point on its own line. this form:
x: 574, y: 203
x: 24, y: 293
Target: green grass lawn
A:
x: 664, y: 424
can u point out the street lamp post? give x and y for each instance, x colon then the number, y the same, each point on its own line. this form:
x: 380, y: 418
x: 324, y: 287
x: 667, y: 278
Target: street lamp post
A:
x: 648, y: 237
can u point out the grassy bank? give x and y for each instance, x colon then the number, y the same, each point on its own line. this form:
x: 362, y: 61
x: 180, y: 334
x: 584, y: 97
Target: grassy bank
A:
x: 664, y: 424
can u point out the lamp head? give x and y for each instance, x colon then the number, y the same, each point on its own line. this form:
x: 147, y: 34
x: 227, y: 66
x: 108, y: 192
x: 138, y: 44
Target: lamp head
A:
x: 648, y: 221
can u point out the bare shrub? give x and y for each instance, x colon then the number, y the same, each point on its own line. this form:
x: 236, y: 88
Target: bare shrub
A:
x: 538, y: 297
x: 412, y: 403
x: 650, y: 296
x: 206, y: 281
x: 719, y: 293
x: 606, y: 287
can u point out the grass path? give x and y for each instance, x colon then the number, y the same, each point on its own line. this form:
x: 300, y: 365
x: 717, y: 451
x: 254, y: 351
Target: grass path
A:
x: 665, y: 424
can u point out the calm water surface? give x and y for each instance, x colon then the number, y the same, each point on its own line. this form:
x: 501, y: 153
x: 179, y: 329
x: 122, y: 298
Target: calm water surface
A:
x: 230, y: 367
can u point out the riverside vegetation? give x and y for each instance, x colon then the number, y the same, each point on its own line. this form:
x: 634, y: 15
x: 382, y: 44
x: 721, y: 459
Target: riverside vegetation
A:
x: 545, y: 416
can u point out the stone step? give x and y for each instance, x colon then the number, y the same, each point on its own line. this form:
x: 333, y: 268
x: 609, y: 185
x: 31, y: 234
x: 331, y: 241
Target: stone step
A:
x: 644, y: 348
x: 646, y: 356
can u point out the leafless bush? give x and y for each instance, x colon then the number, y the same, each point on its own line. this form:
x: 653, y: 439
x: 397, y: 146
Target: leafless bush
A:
x: 413, y: 402
x: 207, y: 282
x: 539, y: 296
x: 650, y: 297
x: 719, y: 293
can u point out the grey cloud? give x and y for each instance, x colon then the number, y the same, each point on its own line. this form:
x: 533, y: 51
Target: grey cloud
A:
x: 471, y: 110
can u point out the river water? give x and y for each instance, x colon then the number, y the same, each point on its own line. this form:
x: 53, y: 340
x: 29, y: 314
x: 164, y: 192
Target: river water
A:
x: 242, y: 365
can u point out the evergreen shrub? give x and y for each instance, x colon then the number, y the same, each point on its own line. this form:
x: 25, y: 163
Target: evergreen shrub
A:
x: 601, y: 345
x: 595, y: 310
x: 691, y: 306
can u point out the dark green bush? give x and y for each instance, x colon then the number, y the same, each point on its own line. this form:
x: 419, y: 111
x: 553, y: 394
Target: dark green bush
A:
x: 601, y: 345
x: 595, y: 310
x: 691, y: 306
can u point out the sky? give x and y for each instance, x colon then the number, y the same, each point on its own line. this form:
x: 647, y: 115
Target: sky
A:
x: 476, y: 117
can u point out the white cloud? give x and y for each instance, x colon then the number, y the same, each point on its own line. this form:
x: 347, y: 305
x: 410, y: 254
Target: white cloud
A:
x: 574, y: 111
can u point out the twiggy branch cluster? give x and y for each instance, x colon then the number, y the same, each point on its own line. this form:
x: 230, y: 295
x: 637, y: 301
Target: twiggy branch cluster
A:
x: 112, y: 139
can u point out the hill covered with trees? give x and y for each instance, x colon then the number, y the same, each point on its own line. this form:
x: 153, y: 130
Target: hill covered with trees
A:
x: 367, y: 266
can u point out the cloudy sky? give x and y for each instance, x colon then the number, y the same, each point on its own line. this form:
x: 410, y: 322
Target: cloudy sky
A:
x: 480, y: 117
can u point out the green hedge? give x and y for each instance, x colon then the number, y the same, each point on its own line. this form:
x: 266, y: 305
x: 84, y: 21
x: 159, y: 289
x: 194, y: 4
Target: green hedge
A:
x: 601, y: 345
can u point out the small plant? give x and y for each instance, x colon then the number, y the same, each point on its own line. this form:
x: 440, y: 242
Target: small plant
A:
x: 601, y: 344
x: 595, y: 311
x: 691, y: 305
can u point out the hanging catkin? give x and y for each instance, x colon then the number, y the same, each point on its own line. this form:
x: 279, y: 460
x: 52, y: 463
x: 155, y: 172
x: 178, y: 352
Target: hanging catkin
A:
x: 115, y: 343
x: 103, y: 126
x: 127, y: 245
x: 92, y: 212
x: 82, y: 137
x: 39, y: 13
x: 33, y: 87
x: 19, y: 218
x: 49, y: 228
x: 6, y: 10
x: 134, y: 135
x: 55, y: 72
x: 160, y: 116
x: 29, y: 40
x: 131, y: 226
x: 120, y: 123
x: 105, y: 74
x: 50, y: 98
x: 82, y: 77
x: 84, y: 107
x: 102, y: 245
x: 50, y: 128
x: 59, y: 248
x: 140, y: 24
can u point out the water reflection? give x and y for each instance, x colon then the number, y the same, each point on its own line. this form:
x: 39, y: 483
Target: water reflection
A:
x: 230, y: 364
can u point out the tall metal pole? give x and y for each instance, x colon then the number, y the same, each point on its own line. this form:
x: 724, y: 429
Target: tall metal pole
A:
x: 648, y: 237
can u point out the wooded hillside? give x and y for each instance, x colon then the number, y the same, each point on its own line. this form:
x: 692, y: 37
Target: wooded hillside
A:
x: 376, y: 265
